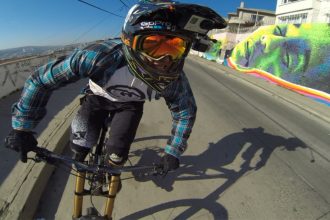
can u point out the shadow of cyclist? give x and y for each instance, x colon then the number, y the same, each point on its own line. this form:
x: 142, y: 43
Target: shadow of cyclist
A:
x: 219, y: 155
x: 217, y: 158
x: 266, y: 143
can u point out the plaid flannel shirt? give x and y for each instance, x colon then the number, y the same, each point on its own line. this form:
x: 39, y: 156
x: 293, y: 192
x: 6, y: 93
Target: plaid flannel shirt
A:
x: 91, y: 62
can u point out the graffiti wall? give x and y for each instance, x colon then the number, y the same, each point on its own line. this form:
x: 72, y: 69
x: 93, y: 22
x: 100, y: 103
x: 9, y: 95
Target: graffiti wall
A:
x: 294, y: 56
x: 13, y: 74
x: 214, y: 52
x: 225, y: 44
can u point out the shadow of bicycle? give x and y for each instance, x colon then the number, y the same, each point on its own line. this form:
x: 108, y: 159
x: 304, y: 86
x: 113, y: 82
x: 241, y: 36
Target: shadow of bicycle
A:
x: 250, y: 143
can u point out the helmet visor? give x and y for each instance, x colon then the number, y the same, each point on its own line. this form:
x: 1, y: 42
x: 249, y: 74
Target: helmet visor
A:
x: 158, y: 46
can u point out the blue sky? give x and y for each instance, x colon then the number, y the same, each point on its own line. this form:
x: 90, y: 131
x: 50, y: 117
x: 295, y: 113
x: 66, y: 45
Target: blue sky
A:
x: 59, y: 22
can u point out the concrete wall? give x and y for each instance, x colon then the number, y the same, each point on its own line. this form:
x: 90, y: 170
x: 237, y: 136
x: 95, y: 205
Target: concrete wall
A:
x: 14, y: 73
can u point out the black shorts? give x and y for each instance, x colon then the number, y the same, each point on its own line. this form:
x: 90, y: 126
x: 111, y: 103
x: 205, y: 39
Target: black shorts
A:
x: 87, y: 124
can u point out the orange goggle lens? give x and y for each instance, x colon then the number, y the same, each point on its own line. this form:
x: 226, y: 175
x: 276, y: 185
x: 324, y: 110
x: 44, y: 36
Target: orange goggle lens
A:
x: 157, y: 46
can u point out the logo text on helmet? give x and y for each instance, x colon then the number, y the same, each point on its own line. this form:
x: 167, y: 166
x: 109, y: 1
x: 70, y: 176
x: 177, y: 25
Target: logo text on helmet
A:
x: 156, y: 25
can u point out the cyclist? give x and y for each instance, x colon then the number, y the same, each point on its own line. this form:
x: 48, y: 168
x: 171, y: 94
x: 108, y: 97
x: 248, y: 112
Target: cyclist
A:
x: 145, y: 64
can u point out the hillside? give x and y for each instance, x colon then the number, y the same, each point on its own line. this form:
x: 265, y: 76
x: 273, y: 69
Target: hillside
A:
x: 27, y: 51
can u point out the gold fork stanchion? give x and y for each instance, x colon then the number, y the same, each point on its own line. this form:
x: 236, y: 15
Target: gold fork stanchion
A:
x: 78, y: 195
x: 113, y: 188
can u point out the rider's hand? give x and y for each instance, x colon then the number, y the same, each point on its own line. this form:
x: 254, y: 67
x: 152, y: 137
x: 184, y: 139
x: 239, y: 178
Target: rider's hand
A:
x: 169, y: 162
x: 21, y: 141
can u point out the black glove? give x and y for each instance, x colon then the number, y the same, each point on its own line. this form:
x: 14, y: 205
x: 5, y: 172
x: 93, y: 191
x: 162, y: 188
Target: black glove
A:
x: 21, y: 141
x: 169, y: 162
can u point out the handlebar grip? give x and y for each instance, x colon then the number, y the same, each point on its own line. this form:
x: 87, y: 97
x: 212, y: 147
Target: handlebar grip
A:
x: 43, y: 154
x: 24, y: 156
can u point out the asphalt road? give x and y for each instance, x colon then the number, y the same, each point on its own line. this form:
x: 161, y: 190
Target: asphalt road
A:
x: 252, y: 155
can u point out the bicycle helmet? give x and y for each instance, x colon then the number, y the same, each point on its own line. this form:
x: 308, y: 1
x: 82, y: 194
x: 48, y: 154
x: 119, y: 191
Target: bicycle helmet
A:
x: 157, y: 36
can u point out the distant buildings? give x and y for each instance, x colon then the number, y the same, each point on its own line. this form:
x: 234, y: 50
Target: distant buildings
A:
x: 302, y: 11
x: 241, y: 24
x: 248, y: 17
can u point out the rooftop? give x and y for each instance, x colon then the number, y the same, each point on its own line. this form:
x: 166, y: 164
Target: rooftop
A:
x: 257, y: 10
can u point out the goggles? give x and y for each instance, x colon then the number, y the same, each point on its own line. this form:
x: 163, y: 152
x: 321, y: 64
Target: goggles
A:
x: 158, y: 46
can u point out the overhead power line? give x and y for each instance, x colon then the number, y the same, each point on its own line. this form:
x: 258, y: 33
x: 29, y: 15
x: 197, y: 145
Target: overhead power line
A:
x: 123, y: 3
x: 100, y: 9
x: 89, y: 30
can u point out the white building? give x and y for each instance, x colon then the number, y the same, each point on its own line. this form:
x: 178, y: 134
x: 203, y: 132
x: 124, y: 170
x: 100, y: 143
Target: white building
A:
x: 247, y: 17
x: 302, y: 11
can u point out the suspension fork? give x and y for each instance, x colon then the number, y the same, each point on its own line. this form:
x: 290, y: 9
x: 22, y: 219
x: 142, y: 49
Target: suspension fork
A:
x: 78, y: 194
x: 113, y: 188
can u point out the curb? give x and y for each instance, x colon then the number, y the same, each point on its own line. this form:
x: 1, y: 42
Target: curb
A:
x: 22, y: 189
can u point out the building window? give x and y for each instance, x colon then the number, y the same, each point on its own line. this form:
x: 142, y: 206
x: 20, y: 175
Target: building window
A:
x: 257, y: 18
x: 293, y: 19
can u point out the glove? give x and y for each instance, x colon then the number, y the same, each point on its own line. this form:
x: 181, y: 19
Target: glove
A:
x: 169, y: 162
x: 21, y: 141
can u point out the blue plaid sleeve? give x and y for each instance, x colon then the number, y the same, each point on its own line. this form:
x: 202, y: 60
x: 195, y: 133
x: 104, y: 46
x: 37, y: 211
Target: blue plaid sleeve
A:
x: 30, y: 108
x: 182, y: 105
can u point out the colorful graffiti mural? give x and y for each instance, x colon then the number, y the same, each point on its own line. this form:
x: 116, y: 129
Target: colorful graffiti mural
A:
x: 214, y: 52
x: 294, y: 56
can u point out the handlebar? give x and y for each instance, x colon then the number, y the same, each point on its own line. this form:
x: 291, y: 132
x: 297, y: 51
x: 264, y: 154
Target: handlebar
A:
x: 42, y: 154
